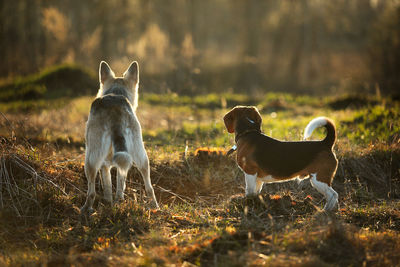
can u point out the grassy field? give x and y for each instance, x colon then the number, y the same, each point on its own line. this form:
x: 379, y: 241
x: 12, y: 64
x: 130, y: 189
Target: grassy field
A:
x: 204, y: 218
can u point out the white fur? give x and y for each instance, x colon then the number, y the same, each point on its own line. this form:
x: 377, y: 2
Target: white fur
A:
x: 330, y: 194
x: 254, y: 184
x: 314, y: 124
x: 123, y: 160
x: 250, y: 184
x: 269, y: 179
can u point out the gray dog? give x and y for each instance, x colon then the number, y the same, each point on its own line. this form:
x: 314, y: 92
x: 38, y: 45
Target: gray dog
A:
x: 114, y: 135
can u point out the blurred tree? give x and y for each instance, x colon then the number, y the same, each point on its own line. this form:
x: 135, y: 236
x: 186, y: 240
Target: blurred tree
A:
x: 384, y: 52
x: 21, y: 37
x: 249, y: 15
x: 190, y: 46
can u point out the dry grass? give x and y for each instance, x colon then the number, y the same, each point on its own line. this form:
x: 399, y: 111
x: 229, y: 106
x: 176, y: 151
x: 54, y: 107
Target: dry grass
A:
x: 204, y: 218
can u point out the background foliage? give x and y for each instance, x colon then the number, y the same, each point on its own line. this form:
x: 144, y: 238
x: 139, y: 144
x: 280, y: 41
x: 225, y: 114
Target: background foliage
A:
x: 212, y: 45
x: 198, y: 59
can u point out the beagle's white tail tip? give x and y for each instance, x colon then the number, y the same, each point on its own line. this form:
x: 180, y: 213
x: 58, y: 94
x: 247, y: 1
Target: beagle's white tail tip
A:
x: 314, y: 124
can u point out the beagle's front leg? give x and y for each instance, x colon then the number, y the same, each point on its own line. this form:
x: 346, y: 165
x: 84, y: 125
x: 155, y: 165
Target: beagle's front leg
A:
x: 251, y: 184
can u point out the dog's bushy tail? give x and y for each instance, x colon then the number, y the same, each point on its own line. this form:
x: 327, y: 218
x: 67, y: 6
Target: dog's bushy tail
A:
x: 319, y: 122
x: 123, y: 160
x: 121, y: 157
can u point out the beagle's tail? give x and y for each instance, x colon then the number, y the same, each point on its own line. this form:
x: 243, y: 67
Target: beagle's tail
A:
x: 319, y: 122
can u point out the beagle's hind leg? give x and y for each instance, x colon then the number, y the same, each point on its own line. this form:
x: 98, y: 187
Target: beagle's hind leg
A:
x: 330, y: 195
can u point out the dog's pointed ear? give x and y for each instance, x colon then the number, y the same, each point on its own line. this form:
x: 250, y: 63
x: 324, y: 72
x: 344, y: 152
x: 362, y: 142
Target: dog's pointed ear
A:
x: 131, y: 75
x: 229, y: 120
x: 255, y: 115
x: 105, y: 72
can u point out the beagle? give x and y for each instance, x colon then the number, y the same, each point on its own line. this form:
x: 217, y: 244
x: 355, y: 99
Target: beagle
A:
x: 267, y: 160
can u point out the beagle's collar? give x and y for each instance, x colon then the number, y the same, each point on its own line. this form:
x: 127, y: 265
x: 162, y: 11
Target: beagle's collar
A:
x: 240, y: 135
x: 234, y: 147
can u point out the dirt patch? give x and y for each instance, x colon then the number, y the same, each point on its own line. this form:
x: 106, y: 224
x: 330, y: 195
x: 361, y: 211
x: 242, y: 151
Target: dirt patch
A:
x: 266, y: 205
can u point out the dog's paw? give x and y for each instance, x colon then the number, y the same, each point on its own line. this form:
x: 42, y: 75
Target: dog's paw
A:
x: 86, y: 210
x: 154, y: 205
x: 107, y: 201
x: 251, y: 195
x: 332, y: 205
x: 119, y: 199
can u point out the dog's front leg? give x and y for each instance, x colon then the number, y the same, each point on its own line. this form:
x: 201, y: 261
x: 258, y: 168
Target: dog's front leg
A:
x: 251, y: 184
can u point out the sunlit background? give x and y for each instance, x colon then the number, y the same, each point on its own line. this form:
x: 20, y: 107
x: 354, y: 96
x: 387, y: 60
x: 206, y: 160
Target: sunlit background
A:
x: 199, y: 46
x: 294, y: 60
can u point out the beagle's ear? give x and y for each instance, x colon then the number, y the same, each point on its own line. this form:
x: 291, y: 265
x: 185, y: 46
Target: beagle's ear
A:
x: 255, y: 115
x: 229, y: 120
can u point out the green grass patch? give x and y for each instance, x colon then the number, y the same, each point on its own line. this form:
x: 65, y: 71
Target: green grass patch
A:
x: 376, y: 123
x: 209, y: 101
x: 51, y: 83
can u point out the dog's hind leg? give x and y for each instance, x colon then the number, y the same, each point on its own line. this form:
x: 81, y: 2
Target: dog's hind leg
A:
x: 107, y: 185
x: 332, y: 199
x: 145, y: 171
x: 142, y: 162
x: 97, y: 147
x: 91, y: 173
x: 330, y: 195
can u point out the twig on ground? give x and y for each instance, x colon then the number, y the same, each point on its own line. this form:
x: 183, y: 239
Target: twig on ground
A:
x: 172, y: 193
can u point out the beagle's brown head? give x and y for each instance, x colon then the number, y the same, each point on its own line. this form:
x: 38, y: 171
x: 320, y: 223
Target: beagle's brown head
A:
x: 239, y: 112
